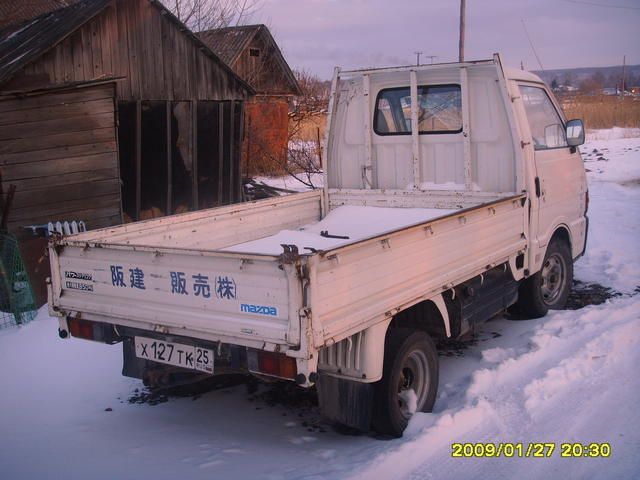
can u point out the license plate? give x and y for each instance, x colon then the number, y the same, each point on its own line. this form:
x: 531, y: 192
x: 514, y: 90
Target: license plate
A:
x: 177, y: 354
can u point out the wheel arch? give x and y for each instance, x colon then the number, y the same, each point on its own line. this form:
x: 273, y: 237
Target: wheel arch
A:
x: 562, y: 233
x: 430, y: 316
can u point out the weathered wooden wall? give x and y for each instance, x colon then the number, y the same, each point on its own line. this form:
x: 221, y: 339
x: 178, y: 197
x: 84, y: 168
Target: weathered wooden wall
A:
x: 59, y: 149
x: 264, y: 72
x: 132, y: 39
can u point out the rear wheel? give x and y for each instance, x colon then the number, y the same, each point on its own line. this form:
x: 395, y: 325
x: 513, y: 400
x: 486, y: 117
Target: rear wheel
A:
x: 549, y: 288
x: 409, y: 383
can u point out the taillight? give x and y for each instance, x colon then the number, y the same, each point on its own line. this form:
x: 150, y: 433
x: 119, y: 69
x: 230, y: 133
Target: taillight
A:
x: 271, y: 363
x: 96, y: 331
x: 81, y: 328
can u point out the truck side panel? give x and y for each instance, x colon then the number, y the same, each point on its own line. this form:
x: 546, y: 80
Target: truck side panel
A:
x: 363, y: 283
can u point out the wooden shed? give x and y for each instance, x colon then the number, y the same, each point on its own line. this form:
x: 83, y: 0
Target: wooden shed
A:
x: 252, y: 52
x: 113, y: 110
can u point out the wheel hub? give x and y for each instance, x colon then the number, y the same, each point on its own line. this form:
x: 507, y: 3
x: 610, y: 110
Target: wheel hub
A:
x: 553, y: 278
x: 413, y: 383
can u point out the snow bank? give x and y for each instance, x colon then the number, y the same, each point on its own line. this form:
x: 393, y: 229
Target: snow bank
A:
x: 612, y: 133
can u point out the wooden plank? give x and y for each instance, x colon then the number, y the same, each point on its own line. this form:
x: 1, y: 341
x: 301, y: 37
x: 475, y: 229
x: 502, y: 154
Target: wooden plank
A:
x: 194, y: 150
x: 130, y: 25
x: 56, y: 194
x: 121, y: 55
x: 238, y: 162
x: 232, y: 142
x: 59, y: 166
x: 96, y: 47
x: 220, y: 151
x: 138, y: 158
x: 66, y: 179
x: 77, y: 51
x: 59, y: 210
x: 168, y: 53
x: 62, y: 110
x: 60, y: 140
x: 155, y: 40
x: 54, y: 127
x: 60, y: 152
x: 169, y: 140
x: 67, y: 56
x: 107, y: 43
x: 81, y: 94
x: 87, y: 52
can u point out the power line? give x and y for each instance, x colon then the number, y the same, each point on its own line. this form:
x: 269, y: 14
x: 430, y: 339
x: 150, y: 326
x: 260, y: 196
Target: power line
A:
x: 531, y: 43
x: 594, y: 4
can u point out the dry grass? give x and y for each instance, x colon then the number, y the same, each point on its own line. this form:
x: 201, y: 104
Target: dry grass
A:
x: 603, y: 111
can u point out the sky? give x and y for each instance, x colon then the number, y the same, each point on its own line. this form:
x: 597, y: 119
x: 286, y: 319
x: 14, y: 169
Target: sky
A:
x: 317, y: 35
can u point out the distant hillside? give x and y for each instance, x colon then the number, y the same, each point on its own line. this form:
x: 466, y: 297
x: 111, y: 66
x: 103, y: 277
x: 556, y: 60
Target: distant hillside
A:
x: 574, y: 76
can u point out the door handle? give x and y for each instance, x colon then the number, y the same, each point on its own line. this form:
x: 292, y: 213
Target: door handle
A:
x: 537, y: 187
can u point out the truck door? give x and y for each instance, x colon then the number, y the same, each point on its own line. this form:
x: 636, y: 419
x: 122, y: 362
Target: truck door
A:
x: 559, y: 183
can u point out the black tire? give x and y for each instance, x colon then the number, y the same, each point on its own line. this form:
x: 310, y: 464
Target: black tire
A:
x: 410, y: 360
x: 548, y: 289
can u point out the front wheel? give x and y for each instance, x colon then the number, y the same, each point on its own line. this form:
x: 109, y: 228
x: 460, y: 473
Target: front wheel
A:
x: 409, y: 383
x: 548, y: 289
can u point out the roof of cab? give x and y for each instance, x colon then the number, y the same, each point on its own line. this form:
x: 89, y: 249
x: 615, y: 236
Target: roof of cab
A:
x: 522, y: 75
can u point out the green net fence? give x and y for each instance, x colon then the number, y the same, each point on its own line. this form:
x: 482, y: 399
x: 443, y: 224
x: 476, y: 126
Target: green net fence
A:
x: 17, y: 302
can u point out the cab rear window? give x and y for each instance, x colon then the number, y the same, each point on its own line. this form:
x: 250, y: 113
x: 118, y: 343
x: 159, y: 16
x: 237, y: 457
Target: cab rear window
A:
x: 440, y: 110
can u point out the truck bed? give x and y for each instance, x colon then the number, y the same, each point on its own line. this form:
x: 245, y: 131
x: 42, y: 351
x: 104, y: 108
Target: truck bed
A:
x: 222, y: 274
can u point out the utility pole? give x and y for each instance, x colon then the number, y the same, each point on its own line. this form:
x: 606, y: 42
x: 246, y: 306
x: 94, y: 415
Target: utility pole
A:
x: 463, y: 7
x: 624, y: 68
x: 418, y: 58
x: 431, y: 57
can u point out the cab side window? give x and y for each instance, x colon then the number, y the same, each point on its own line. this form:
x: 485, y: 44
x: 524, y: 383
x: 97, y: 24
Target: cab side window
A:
x: 547, y: 128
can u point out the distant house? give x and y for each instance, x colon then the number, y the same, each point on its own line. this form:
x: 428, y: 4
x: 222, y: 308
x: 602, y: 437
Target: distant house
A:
x: 253, y: 54
x: 113, y: 110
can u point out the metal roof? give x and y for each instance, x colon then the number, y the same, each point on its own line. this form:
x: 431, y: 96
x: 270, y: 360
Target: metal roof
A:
x: 21, y: 44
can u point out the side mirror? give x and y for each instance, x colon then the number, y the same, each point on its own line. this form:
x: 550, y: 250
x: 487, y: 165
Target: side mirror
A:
x: 575, y: 133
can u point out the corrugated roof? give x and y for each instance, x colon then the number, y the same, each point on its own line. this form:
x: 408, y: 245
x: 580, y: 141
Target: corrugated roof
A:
x: 229, y: 42
x: 29, y: 40
x: 13, y: 12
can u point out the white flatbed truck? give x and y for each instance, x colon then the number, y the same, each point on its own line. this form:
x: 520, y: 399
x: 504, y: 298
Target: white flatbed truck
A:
x: 451, y: 193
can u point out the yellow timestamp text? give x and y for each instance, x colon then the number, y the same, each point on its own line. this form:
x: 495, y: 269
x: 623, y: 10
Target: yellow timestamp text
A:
x: 530, y: 450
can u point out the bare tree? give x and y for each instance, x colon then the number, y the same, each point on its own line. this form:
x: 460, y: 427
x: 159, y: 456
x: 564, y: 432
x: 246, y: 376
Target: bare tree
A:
x: 201, y: 15
x: 304, y: 150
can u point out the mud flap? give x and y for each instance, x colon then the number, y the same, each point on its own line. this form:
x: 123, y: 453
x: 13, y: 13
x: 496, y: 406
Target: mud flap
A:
x: 345, y: 401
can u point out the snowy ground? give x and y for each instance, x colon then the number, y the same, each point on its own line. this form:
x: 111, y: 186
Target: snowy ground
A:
x: 569, y: 377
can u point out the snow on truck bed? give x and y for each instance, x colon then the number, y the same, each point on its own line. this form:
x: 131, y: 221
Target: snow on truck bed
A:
x: 356, y: 223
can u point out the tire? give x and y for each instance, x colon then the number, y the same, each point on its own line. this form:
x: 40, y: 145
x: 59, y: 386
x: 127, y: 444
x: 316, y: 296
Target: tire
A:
x: 410, y: 362
x: 548, y: 289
